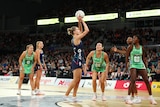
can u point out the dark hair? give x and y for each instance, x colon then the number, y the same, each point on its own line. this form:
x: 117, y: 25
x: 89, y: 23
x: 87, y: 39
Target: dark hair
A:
x: 71, y: 30
x: 139, y: 38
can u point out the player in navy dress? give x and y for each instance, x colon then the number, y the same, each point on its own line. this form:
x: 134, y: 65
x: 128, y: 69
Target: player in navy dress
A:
x: 78, y: 58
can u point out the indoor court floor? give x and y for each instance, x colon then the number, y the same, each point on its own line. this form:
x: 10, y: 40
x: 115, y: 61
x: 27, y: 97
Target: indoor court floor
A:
x: 54, y: 97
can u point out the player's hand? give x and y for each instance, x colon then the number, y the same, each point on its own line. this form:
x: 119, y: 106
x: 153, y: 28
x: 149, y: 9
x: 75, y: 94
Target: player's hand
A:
x: 114, y: 49
x: 80, y: 19
x: 123, y: 48
x: 41, y: 67
x: 45, y: 68
x: 85, y: 70
x: 21, y: 68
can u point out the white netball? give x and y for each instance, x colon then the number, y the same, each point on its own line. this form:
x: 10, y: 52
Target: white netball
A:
x: 79, y: 13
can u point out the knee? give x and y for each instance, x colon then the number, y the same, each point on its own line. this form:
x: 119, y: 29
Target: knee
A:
x: 133, y: 81
x: 31, y: 79
x: 102, y: 82
x: 21, y: 78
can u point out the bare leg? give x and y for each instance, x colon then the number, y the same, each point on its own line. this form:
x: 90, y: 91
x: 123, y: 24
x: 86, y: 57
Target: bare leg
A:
x: 102, y: 82
x: 94, y: 79
x: 76, y: 79
x: 21, y: 78
x: 38, y: 78
x: 31, y: 80
x: 94, y: 84
x: 143, y: 73
x: 79, y: 74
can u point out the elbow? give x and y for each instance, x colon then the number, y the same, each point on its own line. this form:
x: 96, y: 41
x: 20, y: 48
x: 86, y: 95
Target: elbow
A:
x: 87, y: 30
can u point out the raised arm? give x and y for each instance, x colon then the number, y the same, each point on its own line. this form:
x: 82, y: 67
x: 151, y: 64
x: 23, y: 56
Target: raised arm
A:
x: 86, y: 30
x: 118, y: 51
x: 80, y: 26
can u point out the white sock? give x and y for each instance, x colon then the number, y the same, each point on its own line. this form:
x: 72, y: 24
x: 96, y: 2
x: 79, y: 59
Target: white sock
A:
x: 150, y: 96
x: 129, y: 96
x: 95, y: 93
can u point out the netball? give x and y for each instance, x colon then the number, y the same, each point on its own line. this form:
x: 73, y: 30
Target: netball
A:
x: 80, y: 13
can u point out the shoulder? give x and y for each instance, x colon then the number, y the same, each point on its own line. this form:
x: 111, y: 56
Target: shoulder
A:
x: 34, y: 53
x: 38, y: 51
x: 91, y: 53
x: 130, y: 47
x: 105, y: 54
x: 24, y: 52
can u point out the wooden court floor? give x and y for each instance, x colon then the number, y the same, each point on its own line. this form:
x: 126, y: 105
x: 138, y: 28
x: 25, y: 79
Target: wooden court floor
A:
x: 54, y: 97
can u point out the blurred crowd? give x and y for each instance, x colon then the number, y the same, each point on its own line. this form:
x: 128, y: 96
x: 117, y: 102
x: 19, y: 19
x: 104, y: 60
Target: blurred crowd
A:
x: 69, y: 7
x: 58, y: 51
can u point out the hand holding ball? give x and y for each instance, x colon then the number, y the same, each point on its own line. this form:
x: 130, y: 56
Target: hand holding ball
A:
x: 79, y: 13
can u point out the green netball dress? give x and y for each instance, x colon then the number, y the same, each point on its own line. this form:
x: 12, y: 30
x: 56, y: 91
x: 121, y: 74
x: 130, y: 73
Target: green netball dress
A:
x: 99, y: 64
x: 28, y: 63
x: 136, y: 58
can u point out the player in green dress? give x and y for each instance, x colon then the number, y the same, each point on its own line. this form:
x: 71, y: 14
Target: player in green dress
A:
x: 100, y: 65
x: 137, y: 65
x: 27, y: 62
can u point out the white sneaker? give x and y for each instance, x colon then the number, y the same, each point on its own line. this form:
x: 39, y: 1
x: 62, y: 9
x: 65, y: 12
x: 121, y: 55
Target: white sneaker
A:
x: 19, y: 92
x: 103, y: 98
x: 33, y: 92
x: 136, y: 100
x: 38, y: 92
x: 94, y: 98
x: 66, y: 98
x: 128, y: 100
x: 74, y: 99
x: 152, y: 101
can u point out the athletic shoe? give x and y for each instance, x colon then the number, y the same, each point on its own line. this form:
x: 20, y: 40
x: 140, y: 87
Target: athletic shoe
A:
x: 103, y: 98
x: 152, y: 101
x: 74, y: 99
x: 128, y: 100
x: 33, y: 92
x: 66, y: 98
x: 94, y: 98
x: 38, y: 92
x: 136, y: 100
x: 19, y: 92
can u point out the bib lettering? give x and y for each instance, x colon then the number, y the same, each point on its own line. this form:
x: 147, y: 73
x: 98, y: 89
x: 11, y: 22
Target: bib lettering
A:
x: 28, y: 62
x: 136, y: 58
x: 98, y: 64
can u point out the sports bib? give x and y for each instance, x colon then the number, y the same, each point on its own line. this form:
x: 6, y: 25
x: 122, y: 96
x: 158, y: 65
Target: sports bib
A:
x: 98, y: 64
x: 136, y: 58
x: 28, y: 62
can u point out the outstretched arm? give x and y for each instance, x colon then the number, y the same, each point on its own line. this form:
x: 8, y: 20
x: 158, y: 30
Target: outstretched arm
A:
x: 86, y: 30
